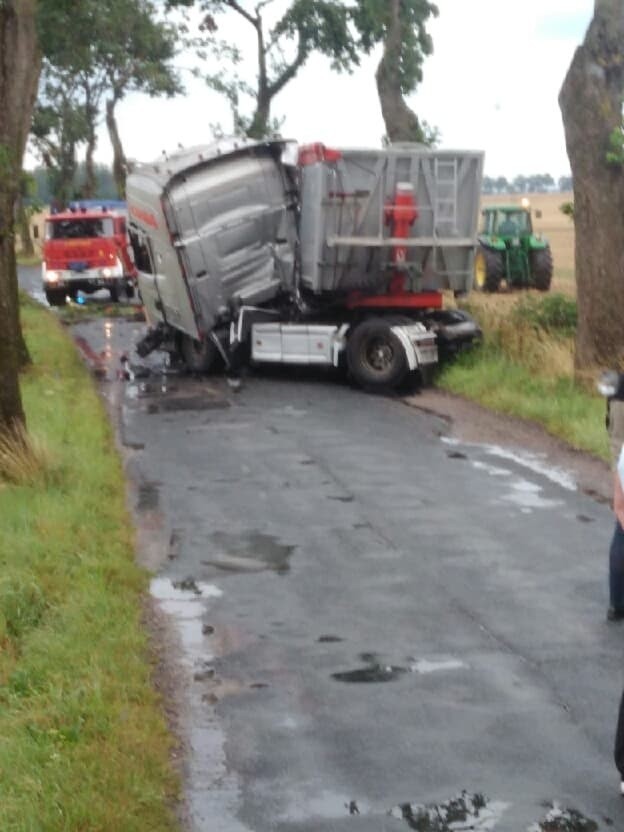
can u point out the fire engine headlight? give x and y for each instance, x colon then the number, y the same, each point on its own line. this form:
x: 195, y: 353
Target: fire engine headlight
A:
x: 52, y: 277
x: 106, y: 272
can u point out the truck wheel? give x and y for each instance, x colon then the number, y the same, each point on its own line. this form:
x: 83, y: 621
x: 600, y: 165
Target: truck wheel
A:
x: 114, y: 293
x: 198, y: 356
x: 375, y: 356
x: 56, y: 297
x: 542, y: 268
x: 488, y: 269
x: 130, y: 292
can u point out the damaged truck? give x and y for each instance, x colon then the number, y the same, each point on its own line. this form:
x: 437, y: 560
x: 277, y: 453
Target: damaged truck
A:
x: 270, y: 252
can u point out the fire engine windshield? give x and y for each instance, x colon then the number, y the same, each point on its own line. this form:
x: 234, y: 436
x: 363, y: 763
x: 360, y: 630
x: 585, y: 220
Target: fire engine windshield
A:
x: 79, y: 228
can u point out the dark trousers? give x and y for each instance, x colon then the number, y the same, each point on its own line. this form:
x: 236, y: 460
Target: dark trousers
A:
x: 616, y: 569
x: 619, y: 740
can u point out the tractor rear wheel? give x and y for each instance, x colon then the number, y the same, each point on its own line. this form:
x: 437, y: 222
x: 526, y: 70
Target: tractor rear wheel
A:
x: 542, y: 268
x: 488, y: 269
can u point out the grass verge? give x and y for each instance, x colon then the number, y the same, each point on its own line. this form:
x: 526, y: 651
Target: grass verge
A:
x: 84, y: 742
x: 525, y: 368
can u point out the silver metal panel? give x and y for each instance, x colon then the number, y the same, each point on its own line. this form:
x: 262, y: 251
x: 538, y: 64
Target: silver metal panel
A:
x: 231, y: 231
x: 293, y: 343
x: 345, y: 241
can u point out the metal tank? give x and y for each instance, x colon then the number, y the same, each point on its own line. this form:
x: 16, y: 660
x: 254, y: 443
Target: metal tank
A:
x: 346, y: 241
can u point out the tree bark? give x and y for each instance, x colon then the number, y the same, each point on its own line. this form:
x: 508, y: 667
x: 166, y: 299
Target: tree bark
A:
x: 90, y: 184
x: 260, y: 121
x: 591, y: 104
x: 402, y: 124
x: 119, y: 158
x: 26, y: 243
x: 20, y: 65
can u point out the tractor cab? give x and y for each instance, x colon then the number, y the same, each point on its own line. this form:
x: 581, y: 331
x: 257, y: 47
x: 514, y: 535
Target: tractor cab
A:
x: 506, y: 222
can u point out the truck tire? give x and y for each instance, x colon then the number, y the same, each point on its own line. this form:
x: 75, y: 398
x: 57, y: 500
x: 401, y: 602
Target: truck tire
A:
x: 375, y: 356
x: 198, y: 356
x: 488, y: 269
x: 542, y: 268
x: 56, y: 297
x: 114, y: 293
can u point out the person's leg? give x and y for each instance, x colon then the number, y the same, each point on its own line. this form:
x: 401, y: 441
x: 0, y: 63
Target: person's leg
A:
x: 618, y: 752
x: 616, y: 570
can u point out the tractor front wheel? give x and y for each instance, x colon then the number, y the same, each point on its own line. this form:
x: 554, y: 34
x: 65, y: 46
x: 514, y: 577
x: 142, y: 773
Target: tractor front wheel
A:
x: 488, y: 269
x: 542, y: 268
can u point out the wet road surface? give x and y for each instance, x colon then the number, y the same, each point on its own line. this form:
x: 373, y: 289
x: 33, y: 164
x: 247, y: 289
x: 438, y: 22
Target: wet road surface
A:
x: 378, y: 628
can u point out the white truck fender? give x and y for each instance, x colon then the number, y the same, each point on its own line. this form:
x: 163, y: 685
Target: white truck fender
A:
x: 408, y: 347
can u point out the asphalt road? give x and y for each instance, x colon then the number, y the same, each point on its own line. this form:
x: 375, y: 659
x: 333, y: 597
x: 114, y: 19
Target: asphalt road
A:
x: 367, y: 619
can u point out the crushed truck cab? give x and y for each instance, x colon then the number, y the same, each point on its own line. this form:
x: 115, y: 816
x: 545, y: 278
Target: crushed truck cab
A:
x: 270, y: 252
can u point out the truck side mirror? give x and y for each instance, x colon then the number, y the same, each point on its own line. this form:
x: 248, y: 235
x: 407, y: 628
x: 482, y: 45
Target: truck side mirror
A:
x: 611, y: 385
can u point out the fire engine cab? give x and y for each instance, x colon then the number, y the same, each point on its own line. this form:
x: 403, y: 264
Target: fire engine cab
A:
x: 86, y: 248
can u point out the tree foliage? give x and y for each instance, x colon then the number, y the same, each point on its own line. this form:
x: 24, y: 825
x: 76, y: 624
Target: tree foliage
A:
x: 400, y: 25
x: 95, y: 56
x: 341, y: 30
x: 284, y: 42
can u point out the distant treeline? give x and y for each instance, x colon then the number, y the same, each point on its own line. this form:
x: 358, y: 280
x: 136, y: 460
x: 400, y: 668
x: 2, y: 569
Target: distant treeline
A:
x: 537, y: 183
x: 41, y: 187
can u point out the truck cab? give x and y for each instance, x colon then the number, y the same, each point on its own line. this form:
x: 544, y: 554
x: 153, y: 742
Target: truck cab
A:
x: 86, y: 249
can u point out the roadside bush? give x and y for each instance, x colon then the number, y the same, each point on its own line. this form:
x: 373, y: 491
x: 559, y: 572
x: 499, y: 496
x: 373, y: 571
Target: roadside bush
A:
x: 556, y: 314
x: 532, y: 330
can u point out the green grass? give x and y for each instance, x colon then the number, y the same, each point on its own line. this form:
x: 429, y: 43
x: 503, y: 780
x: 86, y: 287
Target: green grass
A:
x: 566, y: 410
x: 84, y: 745
x: 23, y: 260
x: 75, y: 313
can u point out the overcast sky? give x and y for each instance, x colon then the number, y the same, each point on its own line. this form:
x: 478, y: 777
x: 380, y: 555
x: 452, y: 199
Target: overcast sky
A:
x: 491, y: 84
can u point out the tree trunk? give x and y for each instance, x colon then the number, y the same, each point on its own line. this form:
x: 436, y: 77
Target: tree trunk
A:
x: 591, y: 104
x: 119, y: 158
x: 402, y: 124
x: 90, y: 184
x: 26, y: 244
x: 260, y: 121
x: 20, y: 64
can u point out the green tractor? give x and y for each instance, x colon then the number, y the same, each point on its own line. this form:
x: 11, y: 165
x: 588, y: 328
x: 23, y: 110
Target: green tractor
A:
x: 509, y: 250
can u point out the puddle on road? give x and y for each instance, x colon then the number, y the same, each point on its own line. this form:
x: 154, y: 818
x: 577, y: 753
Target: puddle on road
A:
x: 206, y: 761
x: 559, y: 819
x: 185, y: 601
x: 464, y: 812
x: 537, y: 463
x: 527, y: 495
x: 378, y: 671
x: 148, y: 497
x: 372, y: 673
x: 249, y: 552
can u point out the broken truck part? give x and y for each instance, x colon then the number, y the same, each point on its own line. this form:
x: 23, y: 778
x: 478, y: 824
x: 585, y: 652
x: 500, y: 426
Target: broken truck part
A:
x: 272, y: 253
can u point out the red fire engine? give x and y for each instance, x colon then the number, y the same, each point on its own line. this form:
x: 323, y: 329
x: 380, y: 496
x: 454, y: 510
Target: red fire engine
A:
x: 86, y: 248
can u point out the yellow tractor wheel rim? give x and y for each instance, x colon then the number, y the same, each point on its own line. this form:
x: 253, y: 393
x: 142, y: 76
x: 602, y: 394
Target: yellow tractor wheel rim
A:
x: 480, y: 270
